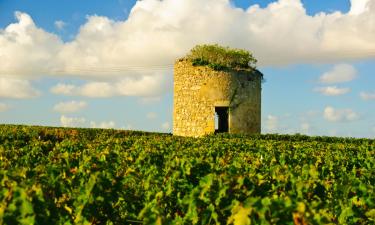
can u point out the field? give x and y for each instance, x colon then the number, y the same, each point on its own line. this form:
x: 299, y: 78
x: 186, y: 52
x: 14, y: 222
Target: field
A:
x: 92, y: 176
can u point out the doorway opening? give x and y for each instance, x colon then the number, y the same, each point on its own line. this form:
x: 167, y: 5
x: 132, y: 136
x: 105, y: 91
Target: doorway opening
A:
x: 221, y: 119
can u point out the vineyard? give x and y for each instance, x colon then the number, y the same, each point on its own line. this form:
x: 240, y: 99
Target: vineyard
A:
x: 92, y: 176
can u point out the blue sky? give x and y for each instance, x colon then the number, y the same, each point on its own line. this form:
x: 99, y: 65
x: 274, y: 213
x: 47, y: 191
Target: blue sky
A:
x: 317, y: 57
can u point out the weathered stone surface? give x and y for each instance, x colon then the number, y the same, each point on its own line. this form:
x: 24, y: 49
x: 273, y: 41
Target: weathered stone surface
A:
x: 199, y: 89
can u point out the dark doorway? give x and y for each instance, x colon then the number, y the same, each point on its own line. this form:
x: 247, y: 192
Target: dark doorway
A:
x: 222, y: 123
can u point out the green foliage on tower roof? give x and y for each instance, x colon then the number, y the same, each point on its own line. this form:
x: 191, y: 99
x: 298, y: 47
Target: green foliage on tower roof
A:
x: 221, y: 58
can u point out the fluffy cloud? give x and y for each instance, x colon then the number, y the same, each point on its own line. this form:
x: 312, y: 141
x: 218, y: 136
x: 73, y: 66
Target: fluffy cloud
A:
x: 149, y: 37
x: 3, y: 107
x: 103, y: 125
x: 134, y: 52
x: 63, y: 89
x: 72, y: 121
x: 367, y: 95
x: 359, y: 6
x: 146, y: 86
x: 69, y: 107
x: 339, y: 74
x: 339, y: 115
x: 332, y: 90
x: 26, y: 50
x: 16, y: 88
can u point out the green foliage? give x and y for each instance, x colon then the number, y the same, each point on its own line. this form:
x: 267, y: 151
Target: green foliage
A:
x: 92, y: 176
x: 220, y: 58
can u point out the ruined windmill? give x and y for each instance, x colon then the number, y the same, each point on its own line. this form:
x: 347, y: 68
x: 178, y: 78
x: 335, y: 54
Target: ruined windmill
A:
x: 216, y: 90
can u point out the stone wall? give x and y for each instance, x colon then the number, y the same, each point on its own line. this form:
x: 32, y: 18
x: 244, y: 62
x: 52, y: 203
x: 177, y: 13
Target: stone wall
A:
x: 199, y: 89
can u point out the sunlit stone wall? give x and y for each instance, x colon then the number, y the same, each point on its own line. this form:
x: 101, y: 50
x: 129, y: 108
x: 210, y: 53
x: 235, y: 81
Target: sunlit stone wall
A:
x: 199, y: 89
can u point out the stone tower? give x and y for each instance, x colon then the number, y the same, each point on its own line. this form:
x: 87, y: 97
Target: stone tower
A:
x: 202, y: 93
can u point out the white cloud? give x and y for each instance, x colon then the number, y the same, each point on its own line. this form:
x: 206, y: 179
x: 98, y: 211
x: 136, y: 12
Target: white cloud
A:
x: 272, y: 124
x: 151, y: 115
x: 332, y: 90
x: 96, y: 89
x: 367, y: 95
x: 69, y: 107
x: 3, y: 107
x: 339, y: 115
x: 339, y: 74
x: 127, y: 55
x: 359, y: 6
x: 72, y: 121
x: 166, y: 126
x: 63, y: 89
x: 147, y: 86
x: 59, y: 24
x: 129, y: 49
x: 16, y: 88
x: 26, y: 50
x: 103, y: 125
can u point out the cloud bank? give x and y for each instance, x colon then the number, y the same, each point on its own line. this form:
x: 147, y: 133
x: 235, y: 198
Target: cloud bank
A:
x: 157, y: 32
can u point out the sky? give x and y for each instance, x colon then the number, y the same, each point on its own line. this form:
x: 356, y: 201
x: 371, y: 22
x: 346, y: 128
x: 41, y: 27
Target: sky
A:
x: 109, y: 64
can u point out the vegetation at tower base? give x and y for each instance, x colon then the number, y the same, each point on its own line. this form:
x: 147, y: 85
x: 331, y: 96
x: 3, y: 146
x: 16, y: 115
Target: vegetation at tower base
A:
x: 92, y: 176
x: 221, y: 58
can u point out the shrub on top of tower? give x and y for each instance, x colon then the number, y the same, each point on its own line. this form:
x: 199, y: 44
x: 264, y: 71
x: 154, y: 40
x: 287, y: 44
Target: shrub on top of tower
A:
x: 220, y: 58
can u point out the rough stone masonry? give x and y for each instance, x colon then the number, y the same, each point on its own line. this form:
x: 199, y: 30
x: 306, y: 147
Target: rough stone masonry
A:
x: 199, y: 89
